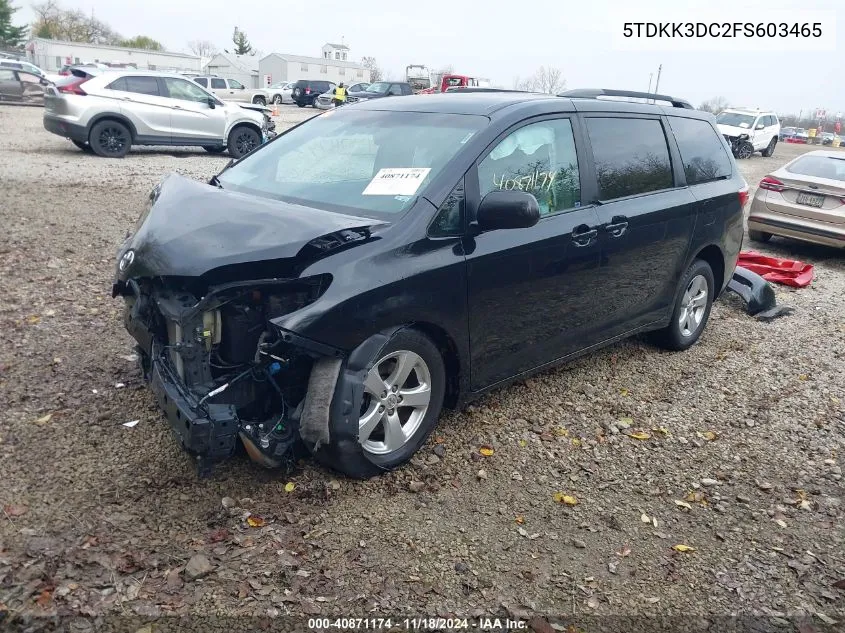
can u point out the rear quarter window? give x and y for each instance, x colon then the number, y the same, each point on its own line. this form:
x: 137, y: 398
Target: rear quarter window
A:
x: 118, y: 84
x: 702, y: 151
x: 631, y: 156
x: 202, y: 81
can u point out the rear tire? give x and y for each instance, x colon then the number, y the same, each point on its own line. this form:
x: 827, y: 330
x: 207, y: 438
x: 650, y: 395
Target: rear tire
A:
x: 692, y: 308
x: 770, y: 149
x: 259, y: 100
x: 300, y: 104
x: 389, y: 437
x: 759, y: 236
x: 110, y: 139
x: 84, y: 146
x: 277, y: 99
x: 242, y: 140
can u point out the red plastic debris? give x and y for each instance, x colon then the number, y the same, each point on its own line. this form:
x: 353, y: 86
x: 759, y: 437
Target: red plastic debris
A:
x: 783, y: 271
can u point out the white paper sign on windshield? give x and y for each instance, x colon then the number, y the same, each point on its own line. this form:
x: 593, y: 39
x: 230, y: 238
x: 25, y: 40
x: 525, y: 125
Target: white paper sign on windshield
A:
x: 396, y: 181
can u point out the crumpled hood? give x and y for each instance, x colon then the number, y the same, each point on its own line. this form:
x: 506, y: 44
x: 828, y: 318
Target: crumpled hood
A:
x: 733, y: 130
x: 191, y: 228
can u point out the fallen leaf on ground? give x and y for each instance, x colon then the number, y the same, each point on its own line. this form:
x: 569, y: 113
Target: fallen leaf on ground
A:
x: 625, y: 551
x: 640, y: 435
x: 218, y: 535
x: 44, y: 598
x: 708, y: 435
x: 289, y: 486
x: 520, y: 519
x: 523, y: 443
x: 623, y: 391
x: 802, y: 377
x: 694, y: 496
x: 683, y: 504
x: 576, y: 442
x: 662, y: 430
x: 562, y: 497
x: 627, y: 421
x: 486, y: 451
x: 561, y: 432
x: 34, y: 319
x: 255, y: 521
x: 44, y: 419
x: 14, y: 510
x: 683, y: 548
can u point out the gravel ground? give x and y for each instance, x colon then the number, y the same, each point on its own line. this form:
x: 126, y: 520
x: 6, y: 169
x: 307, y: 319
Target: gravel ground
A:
x: 742, y: 461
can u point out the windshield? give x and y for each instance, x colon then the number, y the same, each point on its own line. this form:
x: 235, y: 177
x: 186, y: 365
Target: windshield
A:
x: 819, y: 167
x: 279, y: 84
x: 372, y: 163
x: 734, y: 119
x: 379, y: 86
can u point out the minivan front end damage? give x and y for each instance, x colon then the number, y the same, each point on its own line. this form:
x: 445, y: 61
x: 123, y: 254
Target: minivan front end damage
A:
x: 221, y: 370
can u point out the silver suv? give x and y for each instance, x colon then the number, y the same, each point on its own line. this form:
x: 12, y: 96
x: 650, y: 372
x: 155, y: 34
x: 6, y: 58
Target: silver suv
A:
x: 109, y: 111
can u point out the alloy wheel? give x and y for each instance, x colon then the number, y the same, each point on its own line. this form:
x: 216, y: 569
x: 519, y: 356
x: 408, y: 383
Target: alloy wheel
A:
x: 693, y: 305
x: 277, y: 99
x: 397, y: 395
x: 112, y: 140
x: 246, y: 142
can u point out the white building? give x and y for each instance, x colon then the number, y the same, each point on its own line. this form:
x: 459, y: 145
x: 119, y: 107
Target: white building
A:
x: 244, y: 68
x: 337, y: 52
x: 334, y: 65
x: 51, y: 55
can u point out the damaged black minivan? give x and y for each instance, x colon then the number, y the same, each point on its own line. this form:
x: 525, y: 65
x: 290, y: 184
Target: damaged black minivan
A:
x: 338, y: 286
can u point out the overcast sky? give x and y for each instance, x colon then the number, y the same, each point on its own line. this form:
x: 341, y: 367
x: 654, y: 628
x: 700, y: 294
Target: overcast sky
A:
x: 502, y: 40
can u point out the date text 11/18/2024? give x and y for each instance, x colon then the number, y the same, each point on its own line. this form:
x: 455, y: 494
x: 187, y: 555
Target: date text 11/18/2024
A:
x: 419, y: 624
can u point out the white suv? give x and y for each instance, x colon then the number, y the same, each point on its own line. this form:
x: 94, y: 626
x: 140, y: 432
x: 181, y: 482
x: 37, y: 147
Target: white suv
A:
x: 762, y: 128
x: 109, y: 111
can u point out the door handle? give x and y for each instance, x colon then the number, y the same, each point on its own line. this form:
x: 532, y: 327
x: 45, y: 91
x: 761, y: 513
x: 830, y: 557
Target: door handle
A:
x: 617, y: 227
x: 583, y: 235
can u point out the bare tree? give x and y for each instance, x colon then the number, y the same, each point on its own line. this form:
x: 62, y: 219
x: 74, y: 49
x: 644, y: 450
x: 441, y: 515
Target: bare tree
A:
x: 54, y: 22
x: 371, y: 64
x: 548, y: 80
x: 714, y: 105
x: 202, y: 48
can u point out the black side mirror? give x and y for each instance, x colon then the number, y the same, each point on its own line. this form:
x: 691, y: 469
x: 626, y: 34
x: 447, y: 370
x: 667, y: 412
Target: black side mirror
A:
x: 507, y: 210
x: 211, y: 103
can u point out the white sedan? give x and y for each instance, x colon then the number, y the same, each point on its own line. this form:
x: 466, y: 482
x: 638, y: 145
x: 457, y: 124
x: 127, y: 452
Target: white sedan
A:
x: 279, y: 92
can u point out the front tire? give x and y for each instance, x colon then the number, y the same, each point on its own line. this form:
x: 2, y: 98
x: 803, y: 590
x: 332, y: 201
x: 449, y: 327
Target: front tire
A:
x: 300, y: 104
x: 259, y: 100
x: 277, y: 99
x: 402, y: 401
x: 745, y: 150
x: 692, y: 308
x: 770, y: 149
x: 242, y: 140
x: 110, y: 139
x: 759, y: 236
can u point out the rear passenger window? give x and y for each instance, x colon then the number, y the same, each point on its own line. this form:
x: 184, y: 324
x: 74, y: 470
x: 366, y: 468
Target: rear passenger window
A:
x: 202, y: 81
x: 702, y: 153
x: 218, y: 84
x: 118, y: 84
x: 539, y: 159
x: 143, y: 85
x: 631, y: 156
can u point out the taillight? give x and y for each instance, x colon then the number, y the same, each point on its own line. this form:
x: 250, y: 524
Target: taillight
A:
x: 743, y: 196
x: 772, y: 184
x: 308, y: 91
x: 73, y: 87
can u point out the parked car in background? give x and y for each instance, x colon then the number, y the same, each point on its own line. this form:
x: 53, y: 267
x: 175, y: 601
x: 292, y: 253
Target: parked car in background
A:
x: 109, y: 111
x: 325, y: 100
x: 27, y: 67
x: 827, y: 138
x: 306, y: 91
x: 381, y: 89
x: 786, y: 133
x: 799, y: 135
x: 19, y: 86
x: 804, y: 200
x: 763, y: 128
x: 232, y: 90
x: 341, y: 285
x: 280, y: 92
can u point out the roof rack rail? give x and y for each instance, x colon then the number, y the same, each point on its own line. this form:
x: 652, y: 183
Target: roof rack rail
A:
x: 483, y: 89
x: 595, y: 93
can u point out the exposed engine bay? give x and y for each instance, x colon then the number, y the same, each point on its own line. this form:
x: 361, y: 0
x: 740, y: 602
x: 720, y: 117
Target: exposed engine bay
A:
x: 238, y: 375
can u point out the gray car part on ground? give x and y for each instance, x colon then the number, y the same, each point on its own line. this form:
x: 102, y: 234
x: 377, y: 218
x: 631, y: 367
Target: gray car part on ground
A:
x: 757, y: 293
